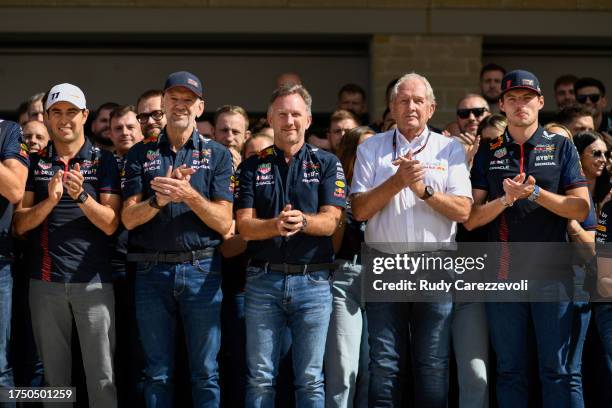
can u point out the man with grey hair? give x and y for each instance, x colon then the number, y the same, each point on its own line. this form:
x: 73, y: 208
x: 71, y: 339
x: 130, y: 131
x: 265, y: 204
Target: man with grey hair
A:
x: 289, y: 200
x: 35, y: 107
x: 412, y: 186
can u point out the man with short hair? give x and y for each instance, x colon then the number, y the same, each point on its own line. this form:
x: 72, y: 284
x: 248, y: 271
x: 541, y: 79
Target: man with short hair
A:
x: 70, y: 207
x: 577, y: 118
x: 150, y: 114
x: 100, y: 126
x: 591, y: 93
x: 564, y: 90
x: 35, y: 107
x: 490, y: 84
x: 471, y: 110
x: 35, y: 136
x: 526, y: 185
x: 231, y: 129
x: 13, y: 173
x: 125, y: 130
x: 177, y: 206
x: 289, y: 200
x: 396, y: 189
x: 206, y: 128
x: 340, y: 122
x: 352, y: 97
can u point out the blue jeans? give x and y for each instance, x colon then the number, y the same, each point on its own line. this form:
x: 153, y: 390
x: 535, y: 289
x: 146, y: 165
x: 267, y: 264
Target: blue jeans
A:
x: 6, y: 290
x: 389, y: 325
x: 603, y: 318
x: 194, y: 290
x: 508, y: 326
x: 275, y: 301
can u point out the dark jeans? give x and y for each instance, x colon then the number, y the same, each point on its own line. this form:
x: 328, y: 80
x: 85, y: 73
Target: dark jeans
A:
x: 6, y: 290
x: 603, y: 318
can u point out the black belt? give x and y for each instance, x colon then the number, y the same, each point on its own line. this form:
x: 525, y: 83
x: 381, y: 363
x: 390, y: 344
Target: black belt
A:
x: 294, y: 269
x: 171, y: 257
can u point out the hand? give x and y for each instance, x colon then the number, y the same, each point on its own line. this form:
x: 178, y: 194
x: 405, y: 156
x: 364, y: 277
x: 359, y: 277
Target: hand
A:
x: 236, y: 157
x: 410, y: 174
x: 183, y: 172
x: 176, y: 189
x: 161, y: 198
x: 74, y: 182
x: 518, y: 188
x: 289, y: 221
x: 55, y: 188
x: 471, y: 150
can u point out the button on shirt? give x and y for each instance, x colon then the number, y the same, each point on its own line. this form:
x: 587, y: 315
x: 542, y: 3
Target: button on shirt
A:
x: 554, y: 163
x: 267, y: 183
x: 11, y: 147
x: 406, y: 218
x: 176, y: 228
x: 67, y: 246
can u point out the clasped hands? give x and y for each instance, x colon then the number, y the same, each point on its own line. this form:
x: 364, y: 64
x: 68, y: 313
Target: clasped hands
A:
x: 289, y: 221
x: 174, y: 186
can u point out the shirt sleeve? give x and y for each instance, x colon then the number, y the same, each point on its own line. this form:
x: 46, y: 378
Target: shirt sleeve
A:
x: 244, y: 193
x: 13, y: 146
x: 572, y: 175
x: 332, y: 189
x: 30, y: 180
x: 363, y: 171
x: 458, y: 175
x: 133, y: 173
x: 478, y: 175
x: 222, y: 187
x: 109, y: 180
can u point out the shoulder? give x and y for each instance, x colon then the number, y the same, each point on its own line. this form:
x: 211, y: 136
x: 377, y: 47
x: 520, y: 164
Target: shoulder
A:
x: 9, y: 127
x: 323, y: 156
x: 373, y: 144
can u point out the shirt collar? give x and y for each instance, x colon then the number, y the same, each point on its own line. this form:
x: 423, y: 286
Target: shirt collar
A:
x: 83, y: 153
x: 191, y: 142
x: 297, y: 156
x: 533, y: 140
x: 416, y: 143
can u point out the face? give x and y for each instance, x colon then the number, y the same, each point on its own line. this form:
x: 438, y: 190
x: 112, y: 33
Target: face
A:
x: 205, y: 128
x: 411, y: 108
x: 473, y: 106
x: 231, y: 130
x: 521, y: 107
x: 147, y: 109
x: 67, y: 122
x: 289, y: 117
x: 101, y: 124
x: 125, y: 132
x: 593, y: 93
x: 490, y: 85
x: 353, y: 102
x: 337, y: 129
x: 182, y: 107
x: 593, y: 158
x: 581, y: 124
x: 491, y: 133
x: 564, y: 95
x: 256, y: 145
x: 35, y: 135
x: 36, y: 111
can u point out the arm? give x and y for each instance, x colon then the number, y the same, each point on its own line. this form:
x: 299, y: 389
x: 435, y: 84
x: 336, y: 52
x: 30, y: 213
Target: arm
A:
x: 455, y: 208
x: 136, y: 212
x: 13, y: 175
x: 105, y: 214
x: 339, y: 233
x: 578, y: 234
x: 233, y: 244
x: 483, y: 212
x: 29, y: 216
x: 573, y: 205
x: 253, y: 228
x: 604, y: 276
x: 367, y: 204
x: 217, y: 214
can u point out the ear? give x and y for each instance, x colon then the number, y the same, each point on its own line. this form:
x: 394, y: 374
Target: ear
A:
x: 432, y: 109
x: 86, y: 114
x: 201, y: 106
x: 308, y: 122
x: 541, y: 102
x: 247, y: 135
x: 501, y: 104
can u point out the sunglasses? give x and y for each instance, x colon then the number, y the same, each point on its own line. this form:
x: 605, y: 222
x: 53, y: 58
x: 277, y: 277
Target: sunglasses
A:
x: 592, y: 97
x: 144, y: 117
x: 465, y: 113
x: 598, y: 154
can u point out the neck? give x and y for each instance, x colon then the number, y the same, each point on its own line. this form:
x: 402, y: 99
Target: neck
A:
x: 67, y: 151
x: 522, y: 134
x: 178, y: 136
x: 410, y: 134
x: 290, y: 150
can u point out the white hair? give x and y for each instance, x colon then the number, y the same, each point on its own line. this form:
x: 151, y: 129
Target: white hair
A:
x: 413, y: 76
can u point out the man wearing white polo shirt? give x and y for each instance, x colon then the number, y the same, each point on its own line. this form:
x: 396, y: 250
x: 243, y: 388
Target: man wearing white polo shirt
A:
x: 413, y: 186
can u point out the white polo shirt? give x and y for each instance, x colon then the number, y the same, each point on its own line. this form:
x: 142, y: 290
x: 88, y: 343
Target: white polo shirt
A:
x: 406, y: 218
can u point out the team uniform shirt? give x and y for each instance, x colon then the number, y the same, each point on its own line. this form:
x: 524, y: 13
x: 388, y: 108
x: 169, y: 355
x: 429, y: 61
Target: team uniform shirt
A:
x: 11, y: 147
x: 176, y: 228
x: 267, y: 183
x: 554, y: 163
x: 119, y: 241
x: 407, y: 218
x: 67, y: 247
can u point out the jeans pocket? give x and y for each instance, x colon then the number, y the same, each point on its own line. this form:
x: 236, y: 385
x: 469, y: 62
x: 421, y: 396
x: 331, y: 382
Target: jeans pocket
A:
x: 319, y: 277
x: 254, y: 272
x: 203, y: 265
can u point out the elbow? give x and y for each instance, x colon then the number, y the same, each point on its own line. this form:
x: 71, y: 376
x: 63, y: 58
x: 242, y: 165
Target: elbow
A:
x: 463, y: 219
x: 112, y: 227
x: 583, y: 211
x: 126, y: 222
x: 19, y: 229
x: 15, y: 196
x: 358, y: 213
x: 463, y: 215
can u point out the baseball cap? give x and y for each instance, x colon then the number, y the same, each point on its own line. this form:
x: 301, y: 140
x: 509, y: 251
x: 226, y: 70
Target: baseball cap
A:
x: 186, y: 80
x: 66, y: 93
x: 520, y: 79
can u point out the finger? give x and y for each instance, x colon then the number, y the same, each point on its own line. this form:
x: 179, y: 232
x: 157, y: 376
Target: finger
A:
x: 169, y: 171
x: 531, y: 180
x: 409, y: 154
x: 77, y: 167
x: 287, y: 207
x: 187, y: 171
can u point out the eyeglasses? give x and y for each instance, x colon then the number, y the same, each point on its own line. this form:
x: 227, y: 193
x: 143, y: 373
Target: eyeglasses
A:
x: 598, y: 154
x: 465, y: 113
x: 144, y: 117
x: 592, y: 97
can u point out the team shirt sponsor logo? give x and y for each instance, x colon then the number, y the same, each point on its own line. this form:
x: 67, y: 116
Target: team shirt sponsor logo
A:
x: 497, y: 143
x: 434, y: 166
x: 499, y: 153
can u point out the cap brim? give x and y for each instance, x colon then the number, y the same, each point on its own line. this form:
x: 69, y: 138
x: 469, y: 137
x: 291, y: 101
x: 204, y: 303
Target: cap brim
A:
x: 522, y: 87
x: 64, y: 100
x: 190, y: 88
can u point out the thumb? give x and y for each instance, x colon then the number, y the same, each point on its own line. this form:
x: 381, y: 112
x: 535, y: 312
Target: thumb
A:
x: 531, y: 180
x: 287, y: 207
x: 520, y: 178
x: 77, y: 167
x: 409, y: 154
x: 169, y: 171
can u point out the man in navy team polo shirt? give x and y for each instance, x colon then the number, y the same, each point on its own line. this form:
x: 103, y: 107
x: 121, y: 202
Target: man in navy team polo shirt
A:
x: 70, y: 208
x: 289, y: 199
x: 526, y: 185
x: 177, y: 206
x: 13, y: 173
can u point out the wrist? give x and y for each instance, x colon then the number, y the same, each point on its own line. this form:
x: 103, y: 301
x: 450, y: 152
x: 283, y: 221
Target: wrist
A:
x: 506, y: 202
x: 152, y: 201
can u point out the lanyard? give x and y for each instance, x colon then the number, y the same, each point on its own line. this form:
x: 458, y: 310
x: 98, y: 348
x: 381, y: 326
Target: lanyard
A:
x: 419, y: 150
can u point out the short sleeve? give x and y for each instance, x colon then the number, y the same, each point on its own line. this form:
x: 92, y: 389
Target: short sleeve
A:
x: 109, y: 180
x: 572, y: 175
x: 222, y: 187
x: 363, y: 171
x: 478, y: 175
x: 133, y: 173
x: 244, y: 194
x: 458, y: 182
x: 12, y: 143
x: 332, y: 189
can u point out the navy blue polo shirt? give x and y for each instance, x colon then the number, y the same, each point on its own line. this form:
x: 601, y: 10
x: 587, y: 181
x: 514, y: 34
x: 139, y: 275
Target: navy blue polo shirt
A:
x: 554, y: 163
x: 267, y: 183
x: 176, y: 228
x: 120, y: 237
x: 11, y: 147
x: 67, y: 247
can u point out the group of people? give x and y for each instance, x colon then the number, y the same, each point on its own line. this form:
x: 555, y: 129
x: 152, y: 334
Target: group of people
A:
x: 249, y: 237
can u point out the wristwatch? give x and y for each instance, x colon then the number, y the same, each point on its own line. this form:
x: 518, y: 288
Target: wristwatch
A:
x: 535, y: 194
x: 153, y: 202
x: 82, y: 197
x: 304, y: 223
x: 429, y: 191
